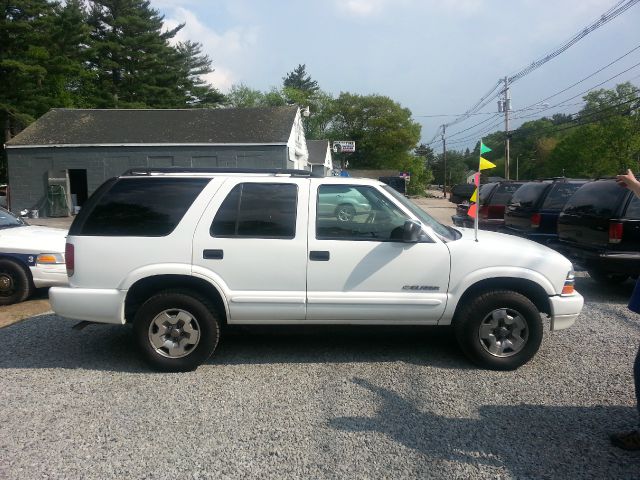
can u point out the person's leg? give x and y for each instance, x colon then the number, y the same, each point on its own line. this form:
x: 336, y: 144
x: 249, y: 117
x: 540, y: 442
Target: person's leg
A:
x: 631, y: 440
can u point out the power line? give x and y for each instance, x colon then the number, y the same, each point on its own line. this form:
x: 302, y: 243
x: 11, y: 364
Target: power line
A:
x: 450, y: 115
x: 584, y: 91
x: 579, y: 121
x: 563, y: 103
x: 608, y: 15
x: 584, y: 79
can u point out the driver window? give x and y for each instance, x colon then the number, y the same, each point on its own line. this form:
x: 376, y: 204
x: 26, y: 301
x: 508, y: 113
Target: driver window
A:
x: 357, y: 212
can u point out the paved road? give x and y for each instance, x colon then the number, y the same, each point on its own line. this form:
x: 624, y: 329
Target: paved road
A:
x: 326, y: 403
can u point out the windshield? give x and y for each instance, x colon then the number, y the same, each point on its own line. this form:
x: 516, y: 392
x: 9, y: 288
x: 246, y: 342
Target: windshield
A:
x: 446, y: 233
x: 9, y: 220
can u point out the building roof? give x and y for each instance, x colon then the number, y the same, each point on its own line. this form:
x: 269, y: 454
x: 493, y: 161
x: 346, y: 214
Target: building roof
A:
x: 175, y: 127
x: 317, y: 151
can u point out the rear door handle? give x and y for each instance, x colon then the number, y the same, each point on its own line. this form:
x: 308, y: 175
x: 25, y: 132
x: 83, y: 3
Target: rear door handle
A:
x: 319, y: 256
x: 212, y: 254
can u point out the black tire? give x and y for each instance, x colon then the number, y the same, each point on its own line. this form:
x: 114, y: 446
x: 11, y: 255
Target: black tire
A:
x: 177, y: 306
x: 607, y: 278
x: 15, y: 282
x: 345, y: 212
x: 474, y: 320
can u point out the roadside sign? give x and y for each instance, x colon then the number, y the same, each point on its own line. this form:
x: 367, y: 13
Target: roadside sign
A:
x: 344, y: 146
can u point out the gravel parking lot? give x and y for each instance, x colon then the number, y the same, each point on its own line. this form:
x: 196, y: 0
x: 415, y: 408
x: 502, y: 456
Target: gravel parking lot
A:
x: 319, y: 403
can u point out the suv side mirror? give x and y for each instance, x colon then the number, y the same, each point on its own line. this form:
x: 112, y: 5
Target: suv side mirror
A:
x: 411, y: 231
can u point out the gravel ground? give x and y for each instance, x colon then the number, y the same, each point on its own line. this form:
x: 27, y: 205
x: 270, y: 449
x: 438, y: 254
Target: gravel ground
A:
x: 321, y: 403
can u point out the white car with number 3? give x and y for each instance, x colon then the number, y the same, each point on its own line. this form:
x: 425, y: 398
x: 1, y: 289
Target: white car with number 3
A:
x: 30, y: 257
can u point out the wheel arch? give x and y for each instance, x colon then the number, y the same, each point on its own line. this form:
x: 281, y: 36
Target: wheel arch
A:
x: 528, y: 288
x: 144, y: 288
x: 18, y: 261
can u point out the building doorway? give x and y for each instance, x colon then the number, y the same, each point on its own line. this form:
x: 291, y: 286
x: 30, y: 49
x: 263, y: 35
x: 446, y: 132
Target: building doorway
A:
x: 78, y: 186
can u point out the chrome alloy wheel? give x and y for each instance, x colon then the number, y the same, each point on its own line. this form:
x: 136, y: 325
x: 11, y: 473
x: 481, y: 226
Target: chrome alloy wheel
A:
x: 174, y: 333
x: 503, y: 332
x: 7, y: 286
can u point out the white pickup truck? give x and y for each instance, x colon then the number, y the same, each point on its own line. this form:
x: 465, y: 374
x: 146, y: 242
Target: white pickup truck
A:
x: 179, y: 253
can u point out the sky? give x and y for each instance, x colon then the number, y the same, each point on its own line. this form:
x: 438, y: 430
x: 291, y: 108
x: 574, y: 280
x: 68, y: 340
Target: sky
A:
x: 435, y: 57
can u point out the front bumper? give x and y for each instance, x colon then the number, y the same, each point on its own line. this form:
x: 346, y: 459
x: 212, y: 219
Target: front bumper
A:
x: 49, y: 275
x: 94, y: 305
x: 565, y: 309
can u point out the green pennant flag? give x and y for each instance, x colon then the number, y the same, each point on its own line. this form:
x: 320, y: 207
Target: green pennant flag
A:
x: 483, y: 148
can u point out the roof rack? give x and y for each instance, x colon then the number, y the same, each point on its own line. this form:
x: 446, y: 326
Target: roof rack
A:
x: 271, y: 171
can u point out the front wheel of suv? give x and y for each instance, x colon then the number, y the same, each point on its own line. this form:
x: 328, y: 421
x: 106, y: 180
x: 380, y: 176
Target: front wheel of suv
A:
x: 499, y: 330
x: 177, y: 331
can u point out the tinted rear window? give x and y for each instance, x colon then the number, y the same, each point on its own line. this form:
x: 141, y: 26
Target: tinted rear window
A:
x: 142, y: 207
x: 559, y: 195
x: 257, y: 210
x: 504, y: 192
x: 600, y: 198
x: 528, y: 194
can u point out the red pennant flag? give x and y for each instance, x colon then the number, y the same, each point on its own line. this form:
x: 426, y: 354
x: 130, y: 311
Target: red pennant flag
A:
x: 472, y: 212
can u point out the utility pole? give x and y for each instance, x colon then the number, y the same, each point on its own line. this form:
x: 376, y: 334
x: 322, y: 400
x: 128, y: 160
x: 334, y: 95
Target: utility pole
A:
x: 507, y: 108
x: 444, y: 159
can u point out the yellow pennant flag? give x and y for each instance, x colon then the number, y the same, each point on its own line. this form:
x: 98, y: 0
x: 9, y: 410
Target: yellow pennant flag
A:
x: 474, y: 197
x: 484, y: 164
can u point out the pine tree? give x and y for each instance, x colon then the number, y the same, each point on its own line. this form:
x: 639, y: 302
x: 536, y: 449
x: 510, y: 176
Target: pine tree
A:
x: 300, y: 80
x: 135, y: 65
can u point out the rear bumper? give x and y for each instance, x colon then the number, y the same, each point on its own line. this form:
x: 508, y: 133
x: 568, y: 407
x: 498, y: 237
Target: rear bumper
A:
x: 94, y: 305
x: 565, y: 309
x: 604, y: 260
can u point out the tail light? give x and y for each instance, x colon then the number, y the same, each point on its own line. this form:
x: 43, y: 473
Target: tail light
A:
x: 535, y: 220
x: 615, y: 232
x: 491, y: 211
x: 69, y: 258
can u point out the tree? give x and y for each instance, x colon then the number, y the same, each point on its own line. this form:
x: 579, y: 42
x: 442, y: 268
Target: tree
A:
x: 40, y: 61
x: 242, y: 96
x: 607, y: 138
x: 134, y: 64
x: 300, y: 80
x: 382, y: 129
x: 192, y: 65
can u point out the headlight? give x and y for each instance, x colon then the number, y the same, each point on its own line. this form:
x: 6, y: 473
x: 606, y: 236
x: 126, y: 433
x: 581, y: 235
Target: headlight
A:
x: 50, y: 259
x: 569, y: 284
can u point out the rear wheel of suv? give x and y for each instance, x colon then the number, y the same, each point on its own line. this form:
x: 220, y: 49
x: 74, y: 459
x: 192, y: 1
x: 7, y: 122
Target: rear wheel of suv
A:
x: 15, y: 282
x: 499, y: 330
x: 177, y: 331
x: 607, y: 278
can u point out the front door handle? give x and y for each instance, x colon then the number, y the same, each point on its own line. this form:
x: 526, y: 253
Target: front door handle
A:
x: 319, y: 256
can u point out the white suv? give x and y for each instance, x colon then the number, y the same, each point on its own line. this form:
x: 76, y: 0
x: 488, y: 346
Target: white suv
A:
x: 179, y: 253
